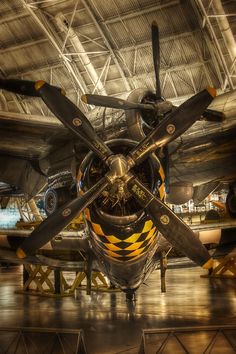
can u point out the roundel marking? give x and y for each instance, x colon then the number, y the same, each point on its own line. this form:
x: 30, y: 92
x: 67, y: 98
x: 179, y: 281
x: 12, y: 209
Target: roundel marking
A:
x: 76, y: 122
x: 170, y: 129
x: 66, y: 212
x: 165, y: 219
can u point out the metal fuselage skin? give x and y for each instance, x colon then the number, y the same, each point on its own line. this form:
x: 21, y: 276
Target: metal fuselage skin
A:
x: 123, y: 237
x: 126, y: 253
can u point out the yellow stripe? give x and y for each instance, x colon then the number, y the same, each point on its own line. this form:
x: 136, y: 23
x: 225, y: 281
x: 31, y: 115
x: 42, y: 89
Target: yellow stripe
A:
x: 97, y: 229
x: 136, y: 252
x: 87, y: 214
x: 111, y: 254
x: 147, y: 226
x: 133, y: 258
x: 151, y: 240
x: 38, y: 84
x: 112, y: 247
x: 133, y: 238
x: 162, y: 173
x: 212, y: 91
x: 134, y: 246
x: 162, y: 191
x: 113, y: 239
x: 151, y: 233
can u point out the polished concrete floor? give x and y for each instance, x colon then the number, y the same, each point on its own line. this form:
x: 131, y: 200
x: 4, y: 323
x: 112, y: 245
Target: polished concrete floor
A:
x: 110, y: 324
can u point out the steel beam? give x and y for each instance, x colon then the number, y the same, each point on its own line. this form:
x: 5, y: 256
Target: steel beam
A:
x: 88, y: 7
x: 72, y: 36
x: 219, y: 52
x: 144, y: 11
x: 44, y: 24
x: 23, y: 45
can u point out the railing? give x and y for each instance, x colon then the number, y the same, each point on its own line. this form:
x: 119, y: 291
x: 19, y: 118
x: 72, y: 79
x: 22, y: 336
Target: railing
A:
x: 190, y: 340
x: 41, y: 341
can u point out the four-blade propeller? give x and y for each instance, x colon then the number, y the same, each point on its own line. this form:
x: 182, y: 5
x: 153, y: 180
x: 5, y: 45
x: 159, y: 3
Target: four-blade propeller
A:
x: 113, y: 102
x: 56, y: 222
x: 169, y: 224
x: 22, y: 87
x: 159, y: 105
x: 171, y: 127
x: 175, y: 230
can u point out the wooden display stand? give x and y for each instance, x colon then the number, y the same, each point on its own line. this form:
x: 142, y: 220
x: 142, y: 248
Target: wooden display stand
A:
x: 45, y: 281
x: 224, y: 267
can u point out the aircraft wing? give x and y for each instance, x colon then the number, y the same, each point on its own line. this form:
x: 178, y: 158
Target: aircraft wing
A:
x: 56, y: 254
x: 33, y: 148
x: 30, y: 136
x: 221, y: 235
x: 206, y: 153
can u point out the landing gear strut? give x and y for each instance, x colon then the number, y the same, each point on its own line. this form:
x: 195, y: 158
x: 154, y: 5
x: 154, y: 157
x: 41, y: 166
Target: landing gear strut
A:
x: 130, y: 295
x: 163, y: 265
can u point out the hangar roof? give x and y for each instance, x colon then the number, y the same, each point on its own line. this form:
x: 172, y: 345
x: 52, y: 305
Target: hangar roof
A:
x: 104, y: 46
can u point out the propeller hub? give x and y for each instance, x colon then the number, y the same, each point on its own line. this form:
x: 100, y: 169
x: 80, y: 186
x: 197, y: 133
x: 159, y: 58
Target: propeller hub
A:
x: 118, y: 166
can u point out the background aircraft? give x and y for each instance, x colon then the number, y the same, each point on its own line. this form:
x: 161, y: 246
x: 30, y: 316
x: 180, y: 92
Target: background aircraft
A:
x: 121, y: 183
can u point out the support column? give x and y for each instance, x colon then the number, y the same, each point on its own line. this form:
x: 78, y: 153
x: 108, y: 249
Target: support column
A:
x: 163, y: 265
x: 25, y: 277
x: 225, y: 28
x: 57, y: 282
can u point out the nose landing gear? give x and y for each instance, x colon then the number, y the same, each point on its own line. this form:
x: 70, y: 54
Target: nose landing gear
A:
x: 130, y: 295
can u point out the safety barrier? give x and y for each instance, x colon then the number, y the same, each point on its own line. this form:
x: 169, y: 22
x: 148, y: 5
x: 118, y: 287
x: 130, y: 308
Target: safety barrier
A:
x: 192, y: 340
x: 41, y: 340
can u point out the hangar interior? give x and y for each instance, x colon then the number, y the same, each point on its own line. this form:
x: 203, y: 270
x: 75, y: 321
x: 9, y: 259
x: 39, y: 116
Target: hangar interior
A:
x: 104, y: 47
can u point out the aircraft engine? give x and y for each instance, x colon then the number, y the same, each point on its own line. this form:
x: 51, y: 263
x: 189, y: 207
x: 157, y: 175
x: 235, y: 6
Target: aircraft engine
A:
x: 118, y: 207
x: 141, y: 121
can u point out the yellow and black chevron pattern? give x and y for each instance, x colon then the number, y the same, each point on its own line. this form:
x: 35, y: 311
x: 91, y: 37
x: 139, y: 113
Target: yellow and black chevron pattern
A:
x: 162, y: 180
x: 121, y: 248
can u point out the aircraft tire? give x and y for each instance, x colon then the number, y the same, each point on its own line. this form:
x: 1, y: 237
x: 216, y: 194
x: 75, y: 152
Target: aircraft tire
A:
x: 54, y: 198
x: 231, y: 203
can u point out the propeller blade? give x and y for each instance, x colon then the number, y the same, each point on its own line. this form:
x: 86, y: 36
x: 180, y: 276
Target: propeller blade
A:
x: 113, y: 102
x: 21, y: 87
x: 72, y: 117
x: 210, y: 115
x: 175, y: 124
x: 170, y: 225
x: 51, y: 226
x: 156, y: 56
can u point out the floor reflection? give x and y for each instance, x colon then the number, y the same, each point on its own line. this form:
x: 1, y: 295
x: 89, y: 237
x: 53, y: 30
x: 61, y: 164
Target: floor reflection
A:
x: 112, y: 323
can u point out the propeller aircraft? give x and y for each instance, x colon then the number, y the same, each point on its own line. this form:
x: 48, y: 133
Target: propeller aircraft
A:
x: 121, y: 182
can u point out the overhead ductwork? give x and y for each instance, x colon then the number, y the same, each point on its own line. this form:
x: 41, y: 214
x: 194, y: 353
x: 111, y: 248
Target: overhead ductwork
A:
x: 225, y: 28
x: 79, y: 49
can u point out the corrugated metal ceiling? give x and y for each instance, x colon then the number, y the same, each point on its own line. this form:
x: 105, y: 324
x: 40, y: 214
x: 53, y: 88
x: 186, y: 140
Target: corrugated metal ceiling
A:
x: 115, y: 29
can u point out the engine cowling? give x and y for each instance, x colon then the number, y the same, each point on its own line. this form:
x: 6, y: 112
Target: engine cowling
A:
x: 180, y: 193
x: 120, y: 208
x: 141, y: 122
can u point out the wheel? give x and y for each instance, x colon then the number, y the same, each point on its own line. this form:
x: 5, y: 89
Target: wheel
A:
x: 212, y: 215
x: 54, y: 198
x: 231, y: 203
